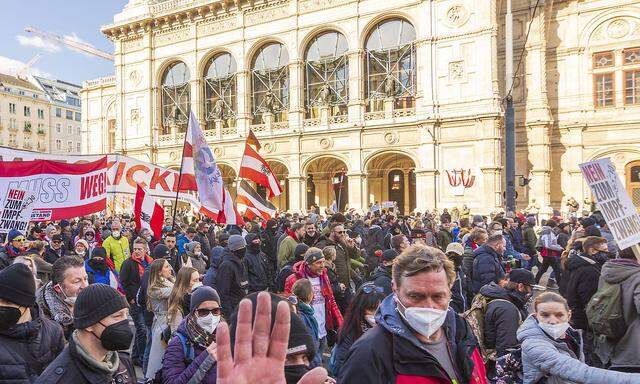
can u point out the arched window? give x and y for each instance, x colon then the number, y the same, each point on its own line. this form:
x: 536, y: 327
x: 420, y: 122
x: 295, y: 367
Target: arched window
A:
x: 270, y: 82
x: 327, y: 74
x: 390, y: 65
x: 220, y: 91
x: 175, y: 98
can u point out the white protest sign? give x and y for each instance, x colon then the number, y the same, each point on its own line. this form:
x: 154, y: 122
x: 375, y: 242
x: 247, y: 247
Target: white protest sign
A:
x: 612, y: 200
x: 16, y: 210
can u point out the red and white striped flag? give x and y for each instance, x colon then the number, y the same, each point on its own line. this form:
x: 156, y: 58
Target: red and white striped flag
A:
x: 148, y: 213
x: 254, y: 168
x: 256, y: 204
x: 229, y: 215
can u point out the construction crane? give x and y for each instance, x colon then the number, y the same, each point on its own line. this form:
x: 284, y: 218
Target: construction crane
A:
x: 84, y: 47
x: 22, y: 72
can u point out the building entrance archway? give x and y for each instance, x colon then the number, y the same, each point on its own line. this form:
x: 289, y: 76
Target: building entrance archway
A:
x: 229, y: 176
x: 327, y: 183
x: 391, y: 178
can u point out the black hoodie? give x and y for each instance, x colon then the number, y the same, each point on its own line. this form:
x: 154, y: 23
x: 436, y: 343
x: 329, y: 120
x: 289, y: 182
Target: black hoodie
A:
x: 257, y: 265
x: 581, y: 285
x: 505, y: 312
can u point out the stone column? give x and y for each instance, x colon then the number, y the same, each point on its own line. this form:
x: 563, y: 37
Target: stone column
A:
x: 356, y: 105
x: 297, y: 193
x: 243, y: 121
x: 574, y: 186
x: 357, y: 190
x: 296, y: 105
x: 426, y: 189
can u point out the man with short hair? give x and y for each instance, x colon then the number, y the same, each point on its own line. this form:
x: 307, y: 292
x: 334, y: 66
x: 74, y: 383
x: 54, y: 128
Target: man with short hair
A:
x: 487, y: 265
x: 201, y: 236
x: 102, y: 329
x: 444, y: 236
x: 399, y: 243
x: 476, y: 238
x: 117, y: 246
x: 381, y: 276
x: 15, y: 246
x: 295, y: 235
x: 311, y: 234
x: 130, y: 277
x: 185, y: 239
x: 418, y: 338
x: 346, y: 253
x: 57, y: 298
x: 28, y: 341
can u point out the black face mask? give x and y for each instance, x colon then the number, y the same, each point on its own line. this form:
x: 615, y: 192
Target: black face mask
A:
x: 9, y: 317
x: 239, y: 253
x: 254, y: 248
x: 293, y: 373
x: 98, y: 265
x: 117, y: 337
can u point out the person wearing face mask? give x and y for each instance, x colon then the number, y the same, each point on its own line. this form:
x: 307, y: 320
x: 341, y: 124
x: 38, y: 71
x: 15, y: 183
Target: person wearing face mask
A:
x: 232, y: 279
x: 15, y: 246
x: 55, y: 250
x: 506, y: 310
x: 191, y: 354
x: 487, y: 265
x: 553, y: 351
x: 381, y: 276
x: 197, y: 259
x: 117, y: 246
x: 57, y: 298
x: 359, y: 318
x: 81, y: 249
x: 461, y: 290
x: 102, y: 330
x: 97, y: 270
x: 417, y: 339
x: 28, y: 341
x: 257, y: 265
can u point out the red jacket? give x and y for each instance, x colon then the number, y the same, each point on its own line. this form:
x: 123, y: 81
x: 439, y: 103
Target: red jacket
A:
x: 333, y: 315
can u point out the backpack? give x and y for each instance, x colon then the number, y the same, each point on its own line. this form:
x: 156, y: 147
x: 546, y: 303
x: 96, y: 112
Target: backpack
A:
x: 475, y: 318
x: 604, y: 311
x: 187, y: 351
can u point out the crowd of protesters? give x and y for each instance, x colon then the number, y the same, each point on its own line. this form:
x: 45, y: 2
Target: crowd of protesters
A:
x: 372, y: 297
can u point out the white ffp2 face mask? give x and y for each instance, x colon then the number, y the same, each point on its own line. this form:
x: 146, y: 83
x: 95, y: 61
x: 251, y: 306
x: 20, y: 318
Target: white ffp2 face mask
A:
x: 208, y: 323
x: 425, y: 321
x: 555, y: 330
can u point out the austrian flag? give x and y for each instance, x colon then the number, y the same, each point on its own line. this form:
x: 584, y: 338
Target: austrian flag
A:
x: 148, y: 213
x: 254, y: 168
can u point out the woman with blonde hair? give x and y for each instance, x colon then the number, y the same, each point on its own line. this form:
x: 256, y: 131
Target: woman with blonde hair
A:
x: 187, y: 280
x: 161, y: 284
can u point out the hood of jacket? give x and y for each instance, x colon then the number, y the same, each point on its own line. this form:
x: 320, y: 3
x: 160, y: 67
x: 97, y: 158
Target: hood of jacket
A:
x: 546, y: 230
x: 495, y: 291
x: 578, y: 261
x: 618, y: 270
x: 216, y: 255
x: 381, y: 270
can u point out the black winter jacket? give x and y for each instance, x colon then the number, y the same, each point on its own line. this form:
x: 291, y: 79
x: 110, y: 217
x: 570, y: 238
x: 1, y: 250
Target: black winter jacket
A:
x: 581, y: 285
x: 50, y: 255
x: 26, y: 349
x: 129, y: 278
x: 505, y: 312
x: 232, y: 282
x: 256, y: 263
x: 69, y: 368
x: 461, y: 295
x: 486, y: 267
x: 381, y: 277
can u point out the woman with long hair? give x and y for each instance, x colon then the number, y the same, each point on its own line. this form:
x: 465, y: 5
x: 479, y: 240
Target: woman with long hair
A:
x: 187, y: 280
x: 358, y: 320
x: 161, y: 284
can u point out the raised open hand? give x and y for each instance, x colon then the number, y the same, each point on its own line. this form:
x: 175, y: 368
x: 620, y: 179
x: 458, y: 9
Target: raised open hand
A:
x: 259, y: 354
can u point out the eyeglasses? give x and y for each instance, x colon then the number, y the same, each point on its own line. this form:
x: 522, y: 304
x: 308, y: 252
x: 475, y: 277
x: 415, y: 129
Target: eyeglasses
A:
x: 369, y: 288
x: 202, y: 312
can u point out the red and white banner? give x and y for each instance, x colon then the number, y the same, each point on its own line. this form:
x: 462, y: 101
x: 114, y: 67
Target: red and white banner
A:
x: 256, y: 204
x: 148, y: 213
x: 63, y: 190
x: 124, y: 174
x: 229, y: 215
x: 254, y: 168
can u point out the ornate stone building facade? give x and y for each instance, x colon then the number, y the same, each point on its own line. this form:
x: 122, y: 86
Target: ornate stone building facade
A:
x: 365, y: 100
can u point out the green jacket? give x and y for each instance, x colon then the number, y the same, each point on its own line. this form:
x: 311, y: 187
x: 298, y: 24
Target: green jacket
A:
x: 444, y: 238
x: 287, y: 251
x: 117, y: 250
x: 529, y: 239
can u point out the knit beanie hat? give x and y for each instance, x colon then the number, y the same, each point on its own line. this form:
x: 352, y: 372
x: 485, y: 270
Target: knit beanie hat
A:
x: 236, y: 242
x: 300, y: 339
x: 313, y: 255
x: 191, y: 246
x: 160, y: 251
x: 83, y: 242
x: 12, y: 235
x: 17, y: 285
x: 99, y: 252
x: 300, y: 250
x: 94, y: 303
x: 202, y: 294
x: 389, y: 255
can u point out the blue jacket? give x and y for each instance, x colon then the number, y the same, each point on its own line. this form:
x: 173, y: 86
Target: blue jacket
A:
x: 486, y: 267
x: 509, y: 250
x: 542, y: 355
x: 177, y: 369
x: 215, y: 258
x: 181, y: 241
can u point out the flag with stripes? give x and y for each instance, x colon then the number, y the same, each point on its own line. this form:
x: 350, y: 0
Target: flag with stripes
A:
x: 254, y: 168
x: 148, y: 213
x: 256, y: 204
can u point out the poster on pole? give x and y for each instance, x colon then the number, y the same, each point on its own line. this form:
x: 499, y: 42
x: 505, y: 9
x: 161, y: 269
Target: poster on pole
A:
x: 613, y: 201
x: 16, y: 210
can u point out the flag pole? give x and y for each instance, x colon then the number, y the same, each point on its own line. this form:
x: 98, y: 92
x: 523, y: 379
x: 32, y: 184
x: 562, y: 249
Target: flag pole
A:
x: 340, y: 192
x: 175, y: 204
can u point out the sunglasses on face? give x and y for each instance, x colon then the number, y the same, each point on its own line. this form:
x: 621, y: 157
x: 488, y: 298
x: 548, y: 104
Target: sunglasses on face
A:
x: 369, y: 288
x: 202, y: 312
x: 56, y: 241
x: 19, y: 239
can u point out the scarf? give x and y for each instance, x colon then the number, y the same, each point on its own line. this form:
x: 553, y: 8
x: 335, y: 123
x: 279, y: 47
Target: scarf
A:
x: 141, y: 267
x: 325, y: 284
x: 307, y: 310
x: 60, y: 311
x: 109, y: 365
x: 196, y: 333
x: 292, y: 234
